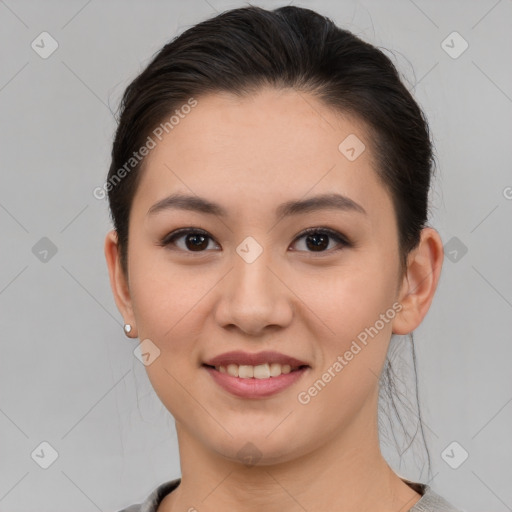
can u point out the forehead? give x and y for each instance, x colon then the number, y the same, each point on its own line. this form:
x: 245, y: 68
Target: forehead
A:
x: 262, y: 149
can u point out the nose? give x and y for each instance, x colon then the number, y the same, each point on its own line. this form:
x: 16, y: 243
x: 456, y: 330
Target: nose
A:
x: 254, y: 297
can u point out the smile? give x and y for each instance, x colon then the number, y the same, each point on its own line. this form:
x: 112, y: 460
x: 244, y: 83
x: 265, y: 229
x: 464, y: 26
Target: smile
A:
x: 259, y: 381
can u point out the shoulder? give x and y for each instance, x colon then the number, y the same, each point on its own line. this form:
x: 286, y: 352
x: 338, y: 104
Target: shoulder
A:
x: 151, y: 503
x: 429, y: 502
x: 432, y: 502
x: 132, y: 508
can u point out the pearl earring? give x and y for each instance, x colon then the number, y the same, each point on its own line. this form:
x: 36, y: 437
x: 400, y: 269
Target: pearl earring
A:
x: 127, y: 329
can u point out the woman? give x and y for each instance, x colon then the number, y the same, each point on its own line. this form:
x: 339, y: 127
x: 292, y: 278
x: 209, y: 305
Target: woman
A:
x: 269, y: 192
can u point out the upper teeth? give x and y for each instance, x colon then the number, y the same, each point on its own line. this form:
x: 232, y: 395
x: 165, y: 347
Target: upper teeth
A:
x: 261, y: 371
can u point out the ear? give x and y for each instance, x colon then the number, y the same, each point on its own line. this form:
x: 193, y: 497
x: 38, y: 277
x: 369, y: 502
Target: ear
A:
x: 118, y: 281
x: 420, y: 281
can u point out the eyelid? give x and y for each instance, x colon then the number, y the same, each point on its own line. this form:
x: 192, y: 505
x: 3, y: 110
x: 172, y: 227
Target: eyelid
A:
x: 174, y: 235
x: 336, y: 235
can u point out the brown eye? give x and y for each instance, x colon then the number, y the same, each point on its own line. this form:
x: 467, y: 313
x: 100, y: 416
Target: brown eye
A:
x: 317, y: 239
x: 195, y: 240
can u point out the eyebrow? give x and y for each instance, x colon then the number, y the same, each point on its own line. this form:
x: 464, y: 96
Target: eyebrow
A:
x: 332, y: 201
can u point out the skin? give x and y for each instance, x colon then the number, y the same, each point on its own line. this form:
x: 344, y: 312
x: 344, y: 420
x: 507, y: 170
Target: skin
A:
x: 271, y: 147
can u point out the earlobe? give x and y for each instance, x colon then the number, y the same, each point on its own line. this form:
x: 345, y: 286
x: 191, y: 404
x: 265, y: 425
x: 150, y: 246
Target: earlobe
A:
x: 420, y: 281
x: 118, y: 281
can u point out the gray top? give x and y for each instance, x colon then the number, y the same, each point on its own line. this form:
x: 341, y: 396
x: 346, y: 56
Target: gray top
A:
x: 429, y: 502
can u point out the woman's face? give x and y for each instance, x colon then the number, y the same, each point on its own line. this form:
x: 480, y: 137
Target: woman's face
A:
x: 254, y: 283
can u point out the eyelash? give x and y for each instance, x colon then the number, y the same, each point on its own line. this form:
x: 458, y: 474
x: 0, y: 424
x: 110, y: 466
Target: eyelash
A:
x: 338, y: 237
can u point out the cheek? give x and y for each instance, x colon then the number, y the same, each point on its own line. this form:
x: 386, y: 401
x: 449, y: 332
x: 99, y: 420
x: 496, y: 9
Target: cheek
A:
x: 346, y: 299
x: 166, y: 300
x: 357, y: 307
x: 169, y: 305
x: 173, y: 308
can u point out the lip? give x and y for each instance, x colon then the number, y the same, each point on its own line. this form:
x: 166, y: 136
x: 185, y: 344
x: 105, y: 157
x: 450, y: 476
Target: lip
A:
x: 255, y: 388
x: 245, y: 358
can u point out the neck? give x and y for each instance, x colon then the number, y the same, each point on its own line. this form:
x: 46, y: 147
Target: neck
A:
x: 345, y: 473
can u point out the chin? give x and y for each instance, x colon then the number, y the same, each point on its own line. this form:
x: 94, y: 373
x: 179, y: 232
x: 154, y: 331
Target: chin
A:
x: 257, y: 450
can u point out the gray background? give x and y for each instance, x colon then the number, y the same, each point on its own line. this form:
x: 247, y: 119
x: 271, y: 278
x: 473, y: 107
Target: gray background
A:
x: 68, y: 375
